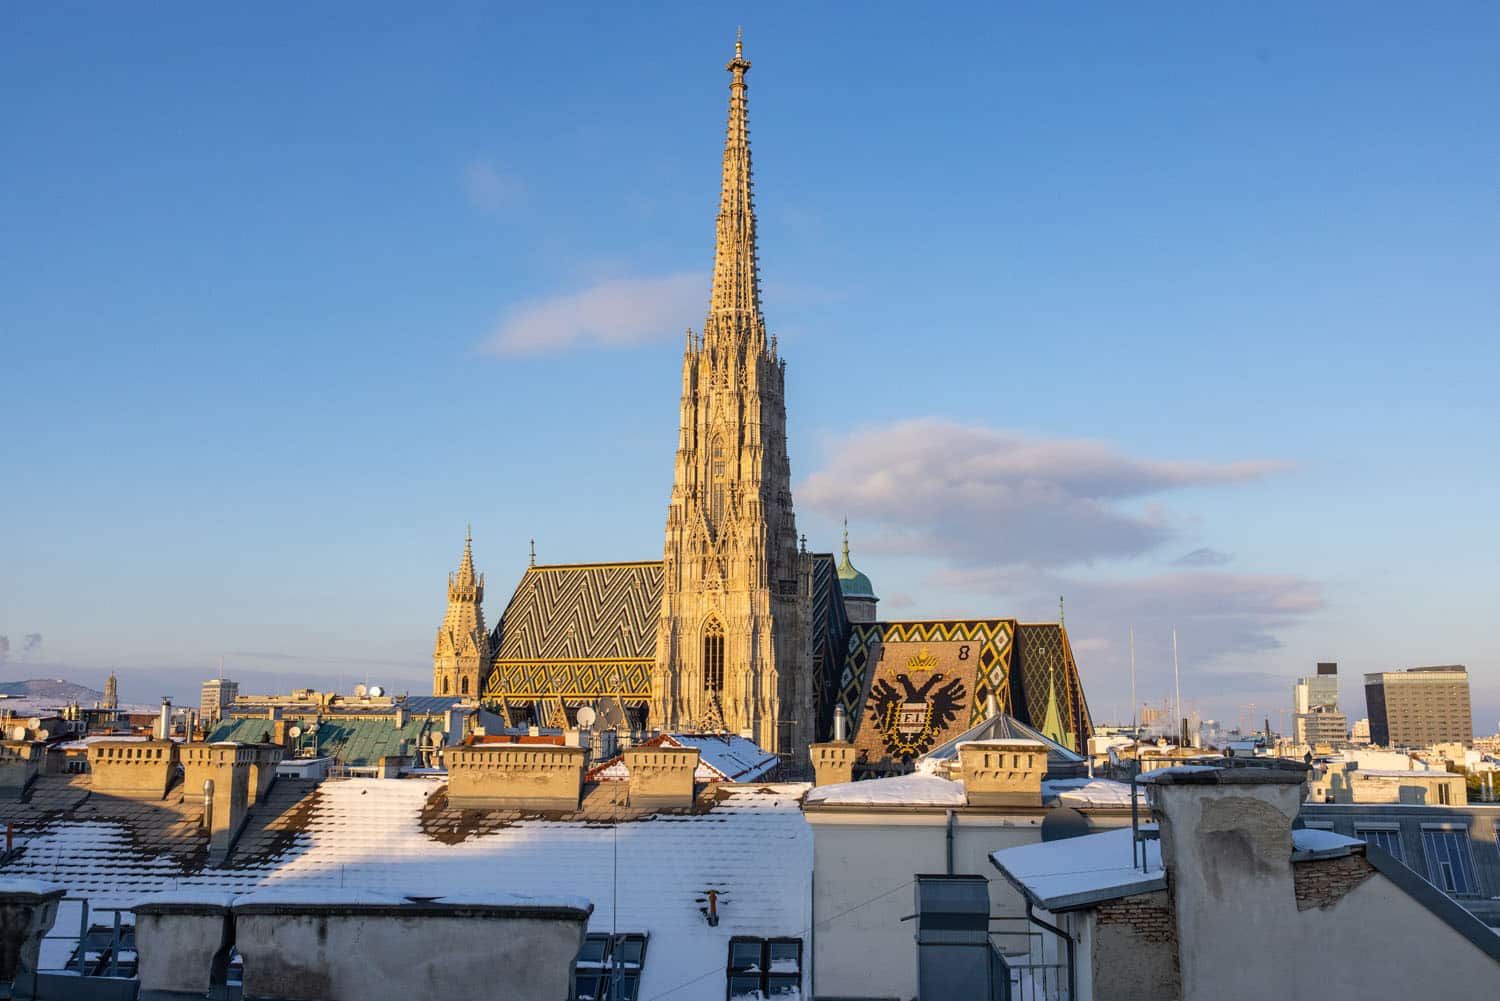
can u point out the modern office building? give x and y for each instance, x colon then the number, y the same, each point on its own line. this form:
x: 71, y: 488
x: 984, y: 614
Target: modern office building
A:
x: 1315, y: 708
x: 218, y: 695
x: 1420, y: 706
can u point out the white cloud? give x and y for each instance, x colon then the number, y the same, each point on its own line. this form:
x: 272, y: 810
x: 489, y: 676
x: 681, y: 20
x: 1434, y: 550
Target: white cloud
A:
x: 490, y: 188
x: 619, y: 312
x: 975, y: 496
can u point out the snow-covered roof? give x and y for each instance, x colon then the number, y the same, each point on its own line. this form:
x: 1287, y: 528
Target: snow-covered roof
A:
x: 1088, y: 792
x: 721, y: 758
x: 902, y: 790
x: 1077, y: 872
x: 643, y: 872
x: 1311, y: 841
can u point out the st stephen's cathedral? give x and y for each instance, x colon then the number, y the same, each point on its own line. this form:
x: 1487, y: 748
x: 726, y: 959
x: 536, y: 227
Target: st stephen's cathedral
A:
x: 739, y: 628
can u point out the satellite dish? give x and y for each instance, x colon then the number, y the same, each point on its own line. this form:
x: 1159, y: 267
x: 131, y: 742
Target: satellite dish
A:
x: 360, y: 691
x: 586, y: 718
x: 294, y: 732
x: 376, y: 691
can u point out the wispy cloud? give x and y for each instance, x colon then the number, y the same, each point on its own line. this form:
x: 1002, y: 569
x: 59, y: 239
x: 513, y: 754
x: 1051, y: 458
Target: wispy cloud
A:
x: 618, y: 312
x: 490, y: 188
x: 1203, y: 557
x: 976, y: 496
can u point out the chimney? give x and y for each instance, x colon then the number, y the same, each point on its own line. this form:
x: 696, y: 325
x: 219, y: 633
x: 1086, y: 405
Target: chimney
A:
x: 401, y: 717
x: 227, y: 766
x: 1226, y: 842
x: 514, y: 777
x: 164, y: 725
x: 832, y: 762
x: 661, y: 778
x: 840, y: 725
x: 1003, y: 772
x: 132, y: 769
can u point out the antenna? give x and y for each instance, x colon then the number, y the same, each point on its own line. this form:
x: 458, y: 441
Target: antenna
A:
x: 221, y: 667
x: 1133, y: 707
x: 1177, y: 678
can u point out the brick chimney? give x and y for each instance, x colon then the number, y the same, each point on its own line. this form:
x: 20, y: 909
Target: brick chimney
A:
x: 514, y: 776
x: 1003, y: 772
x: 661, y: 778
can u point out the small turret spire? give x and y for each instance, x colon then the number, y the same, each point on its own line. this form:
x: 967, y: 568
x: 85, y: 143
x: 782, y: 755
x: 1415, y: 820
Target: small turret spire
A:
x: 846, y: 540
x: 533, y: 552
x: 739, y: 42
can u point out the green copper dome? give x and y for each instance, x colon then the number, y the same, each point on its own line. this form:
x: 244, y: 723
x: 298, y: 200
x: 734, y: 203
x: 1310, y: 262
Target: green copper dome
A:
x: 852, y: 583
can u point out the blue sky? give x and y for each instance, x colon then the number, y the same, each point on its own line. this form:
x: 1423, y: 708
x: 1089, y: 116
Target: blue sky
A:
x: 1187, y: 314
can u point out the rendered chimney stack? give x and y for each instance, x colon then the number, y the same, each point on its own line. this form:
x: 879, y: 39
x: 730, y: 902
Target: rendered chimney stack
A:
x: 661, y: 778
x: 1003, y: 772
x: 515, y: 777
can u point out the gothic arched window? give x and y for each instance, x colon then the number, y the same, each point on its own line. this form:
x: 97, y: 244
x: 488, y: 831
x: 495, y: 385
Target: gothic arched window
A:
x: 464, y: 685
x: 445, y: 686
x: 713, y: 656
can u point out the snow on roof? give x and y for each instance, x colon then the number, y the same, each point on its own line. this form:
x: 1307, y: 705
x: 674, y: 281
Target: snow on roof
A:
x: 721, y: 758
x: 382, y: 836
x: 1308, y: 839
x: 1076, y: 872
x: 1088, y: 792
x: 903, y: 790
x: 34, y: 886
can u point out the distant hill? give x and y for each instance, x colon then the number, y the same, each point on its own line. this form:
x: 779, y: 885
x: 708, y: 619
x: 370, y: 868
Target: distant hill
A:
x: 53, y: 691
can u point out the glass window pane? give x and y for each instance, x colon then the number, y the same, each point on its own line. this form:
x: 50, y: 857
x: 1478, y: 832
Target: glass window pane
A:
x: 745, y: 955
x: 785, y: 956
x: 1452, y: 869
x: 593, y: 950
x: 1390, y: 841
x: 744, y: 985
x: 782, y: 985
x: 629, y: 949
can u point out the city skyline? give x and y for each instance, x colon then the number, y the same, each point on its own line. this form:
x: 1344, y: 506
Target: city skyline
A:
x: 266, y: 383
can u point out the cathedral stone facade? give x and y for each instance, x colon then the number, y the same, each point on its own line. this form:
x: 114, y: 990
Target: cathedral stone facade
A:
x: 739, y: 628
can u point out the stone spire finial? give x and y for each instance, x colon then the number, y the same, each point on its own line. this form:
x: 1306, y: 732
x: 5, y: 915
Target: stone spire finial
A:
x: 466, y: 565
x: 846, y: 540
x: 735, y: 300
x: 739, y: 42
x: 533, y: 552
x: 1059, y: 609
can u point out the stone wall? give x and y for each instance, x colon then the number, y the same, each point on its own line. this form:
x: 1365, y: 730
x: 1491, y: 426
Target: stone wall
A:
x: 1323, y: 882
x: 133, y: 769
x: 1135, y: 949
x: 514, y: 776
x: 27, y: 912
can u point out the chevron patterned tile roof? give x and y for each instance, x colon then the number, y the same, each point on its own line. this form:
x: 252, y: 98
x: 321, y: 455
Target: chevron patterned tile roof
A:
x: 584, y: 611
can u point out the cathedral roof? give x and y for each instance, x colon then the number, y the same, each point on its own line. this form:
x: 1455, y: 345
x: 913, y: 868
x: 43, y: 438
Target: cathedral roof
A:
x: 582, y: 611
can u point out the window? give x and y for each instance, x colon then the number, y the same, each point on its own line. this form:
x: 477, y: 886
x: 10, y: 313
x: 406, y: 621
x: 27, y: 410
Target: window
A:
x: 1387, y: 839
x: 716, y: 485
x: 445, y: 686
x: 713, y: 657
x: 464, y: 685
x: 609, y: 967
x: 765, y: 968
x: 1449, y: 864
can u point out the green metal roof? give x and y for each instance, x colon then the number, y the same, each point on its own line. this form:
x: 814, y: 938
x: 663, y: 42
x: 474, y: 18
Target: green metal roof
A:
x: 351, y: 741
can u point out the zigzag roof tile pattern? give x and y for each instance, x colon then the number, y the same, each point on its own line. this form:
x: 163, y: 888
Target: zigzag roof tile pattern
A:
x: 585, y: 611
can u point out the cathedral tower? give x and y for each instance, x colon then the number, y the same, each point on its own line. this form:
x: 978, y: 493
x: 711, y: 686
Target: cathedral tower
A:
x: 462, y: 652
x: 732, y: 649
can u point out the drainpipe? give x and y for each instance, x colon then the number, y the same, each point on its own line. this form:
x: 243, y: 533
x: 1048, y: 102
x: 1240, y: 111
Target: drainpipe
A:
x: 952, y: 819
x: 1072, y: 965
x: 208, y: 807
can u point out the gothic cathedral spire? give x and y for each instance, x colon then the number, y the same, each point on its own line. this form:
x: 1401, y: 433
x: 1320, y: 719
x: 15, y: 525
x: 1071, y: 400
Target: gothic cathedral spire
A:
x: 732, y: 649
x: 462, y: 651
